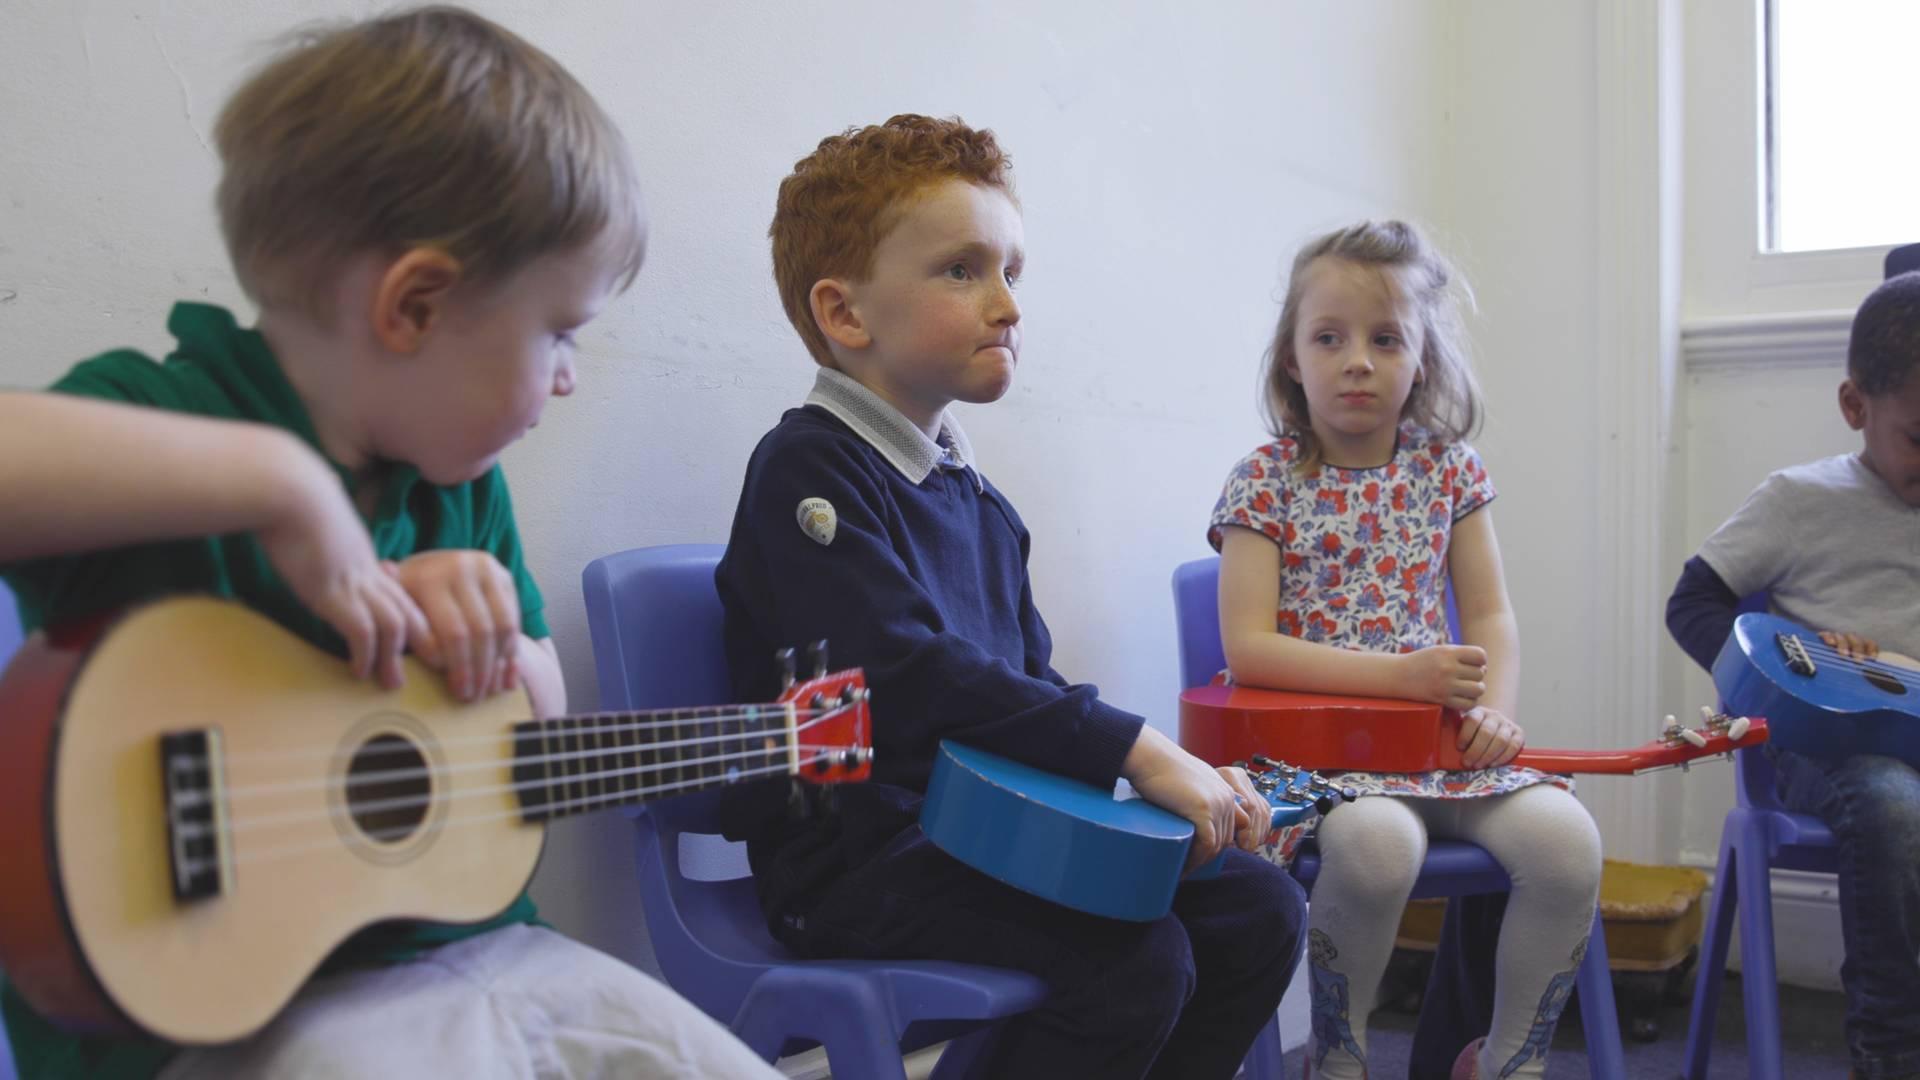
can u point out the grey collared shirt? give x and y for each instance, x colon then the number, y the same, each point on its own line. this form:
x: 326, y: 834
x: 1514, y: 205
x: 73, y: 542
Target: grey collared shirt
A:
x: 898, y: 439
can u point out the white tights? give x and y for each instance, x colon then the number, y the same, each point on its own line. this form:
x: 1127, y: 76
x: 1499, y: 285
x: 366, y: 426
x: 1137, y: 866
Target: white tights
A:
x: 1370, y: 852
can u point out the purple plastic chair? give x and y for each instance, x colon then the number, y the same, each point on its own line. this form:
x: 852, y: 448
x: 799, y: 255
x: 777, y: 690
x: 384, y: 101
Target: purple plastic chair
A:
x: 1452, y: 867
x: 10, y: 639
x: 1902, y: 260
x: 1759, y: 835
x: 655, y: 619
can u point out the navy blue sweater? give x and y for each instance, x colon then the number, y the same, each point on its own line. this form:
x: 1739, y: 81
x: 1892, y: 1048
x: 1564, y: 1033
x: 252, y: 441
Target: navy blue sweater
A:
x: 925, y: 587
x: 1701, y: 611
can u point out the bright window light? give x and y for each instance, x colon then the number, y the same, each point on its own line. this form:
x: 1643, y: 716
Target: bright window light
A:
x: 1843, y: 137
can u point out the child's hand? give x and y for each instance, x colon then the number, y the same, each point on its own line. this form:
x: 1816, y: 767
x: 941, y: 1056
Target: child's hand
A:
x: 473, y: 619
x: 1851, y: 646
x: 1174, y: 780
x: 1252, y: 804
x: 321, y: 549
x: 1450, y: 675
x: 1488, y: 738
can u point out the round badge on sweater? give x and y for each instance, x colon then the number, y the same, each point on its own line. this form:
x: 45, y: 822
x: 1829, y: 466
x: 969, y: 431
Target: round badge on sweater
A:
x: 817, y: 520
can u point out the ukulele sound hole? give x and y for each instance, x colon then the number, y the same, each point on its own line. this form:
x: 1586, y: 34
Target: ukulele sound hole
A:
x: 388, y: 790
x: 1880, y: 680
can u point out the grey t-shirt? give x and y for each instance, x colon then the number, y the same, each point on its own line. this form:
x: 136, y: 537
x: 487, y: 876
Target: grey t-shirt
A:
x: 1834, y: 548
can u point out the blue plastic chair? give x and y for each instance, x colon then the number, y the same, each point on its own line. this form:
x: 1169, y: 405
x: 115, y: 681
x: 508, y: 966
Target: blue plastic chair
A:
x: 1759, y: 835
x: 1902, y: 260
x: 10, y: 638
x: 1452, y: 867
x: 655, y: 619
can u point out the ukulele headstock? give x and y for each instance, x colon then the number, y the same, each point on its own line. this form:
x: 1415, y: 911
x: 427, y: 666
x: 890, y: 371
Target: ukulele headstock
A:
x: 1285, y: 785
x: 832, y: 726
x: 1717, y: 733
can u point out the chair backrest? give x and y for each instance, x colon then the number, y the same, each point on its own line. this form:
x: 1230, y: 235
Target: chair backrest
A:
x: 1903, y: 259
x: 10, y: 635
x: 1753, y: 774
x: 656, y: 622
x: 654, y: 615
x: 1196, y: 615
x: 655, y: 618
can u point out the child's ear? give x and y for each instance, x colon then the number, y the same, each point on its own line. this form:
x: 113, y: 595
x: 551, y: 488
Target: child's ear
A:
x: 835, y: 314
x: 411, y: 298
x: 1853, y: 405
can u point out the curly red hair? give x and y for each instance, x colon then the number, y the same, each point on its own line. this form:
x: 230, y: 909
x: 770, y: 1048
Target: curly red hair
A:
x: 841, y: 200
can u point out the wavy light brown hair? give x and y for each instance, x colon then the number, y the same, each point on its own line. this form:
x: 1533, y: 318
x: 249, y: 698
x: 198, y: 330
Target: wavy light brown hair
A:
x: 425, y: 128
x: 1446, y: 399
x: 841, y: 200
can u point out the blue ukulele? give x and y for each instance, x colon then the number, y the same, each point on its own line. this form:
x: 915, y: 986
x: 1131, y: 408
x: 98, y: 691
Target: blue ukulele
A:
x: 1816, y: 701
x: 1075, y: 844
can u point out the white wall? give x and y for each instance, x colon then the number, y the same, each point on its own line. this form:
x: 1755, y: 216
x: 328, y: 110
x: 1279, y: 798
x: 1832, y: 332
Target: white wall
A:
x: 1168, y: 165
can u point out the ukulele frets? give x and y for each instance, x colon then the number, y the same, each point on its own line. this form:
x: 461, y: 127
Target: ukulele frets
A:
x: 199, y: 846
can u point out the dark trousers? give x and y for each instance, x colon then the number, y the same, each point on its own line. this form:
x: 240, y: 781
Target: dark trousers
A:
x: 1872, y: 804
x: 1181, y: 997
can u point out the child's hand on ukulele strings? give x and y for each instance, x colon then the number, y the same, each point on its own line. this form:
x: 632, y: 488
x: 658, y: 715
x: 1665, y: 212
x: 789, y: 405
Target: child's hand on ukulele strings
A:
x: 321, y: 549
x: 1488, y: 738
x: 473, y: 619
x: 1851, y: 646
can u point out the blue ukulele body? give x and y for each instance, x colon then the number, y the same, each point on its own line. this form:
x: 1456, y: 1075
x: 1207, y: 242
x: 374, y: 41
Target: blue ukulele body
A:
x: 1073, y: 843
x: 1817, y: 702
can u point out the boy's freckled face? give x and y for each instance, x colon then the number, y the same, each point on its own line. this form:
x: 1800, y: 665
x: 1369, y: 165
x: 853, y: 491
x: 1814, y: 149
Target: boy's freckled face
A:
x: 1890, y: 423
x: 939, y: 305
x: 486, y: 373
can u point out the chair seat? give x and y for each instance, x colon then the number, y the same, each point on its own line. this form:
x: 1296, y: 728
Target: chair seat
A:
x: 1452, y: 868
x: 726, y: 919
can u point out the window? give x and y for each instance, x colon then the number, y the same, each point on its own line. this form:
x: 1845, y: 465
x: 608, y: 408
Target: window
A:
x: 1841, y: 155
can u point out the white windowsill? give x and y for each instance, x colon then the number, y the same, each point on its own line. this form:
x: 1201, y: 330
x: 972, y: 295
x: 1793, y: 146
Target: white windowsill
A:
x: 1800, y: 339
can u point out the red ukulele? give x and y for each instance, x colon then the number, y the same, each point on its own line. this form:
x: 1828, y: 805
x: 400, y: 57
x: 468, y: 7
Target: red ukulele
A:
x: 1221, y: 724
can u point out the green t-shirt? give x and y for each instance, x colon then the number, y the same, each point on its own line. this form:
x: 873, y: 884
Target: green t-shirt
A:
x: 220, y: 370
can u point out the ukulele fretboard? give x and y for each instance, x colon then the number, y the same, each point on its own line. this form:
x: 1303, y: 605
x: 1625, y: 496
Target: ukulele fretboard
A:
x: 576, y: 764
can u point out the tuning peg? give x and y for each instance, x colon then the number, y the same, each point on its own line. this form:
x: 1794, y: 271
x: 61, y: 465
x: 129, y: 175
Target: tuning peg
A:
x: 817, y: 653
x: 1669, y: 725
x: 783, y: 659
x: 1707, y: 715
x: 1694, y: 737
x: 1737, y: 727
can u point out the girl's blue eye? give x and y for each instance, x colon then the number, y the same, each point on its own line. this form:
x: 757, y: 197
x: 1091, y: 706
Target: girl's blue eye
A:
x: 1013, y: 278
x: 958, y: 271
x: 1387, y: 341
x: 1326, y: 337
x: 565, y: 337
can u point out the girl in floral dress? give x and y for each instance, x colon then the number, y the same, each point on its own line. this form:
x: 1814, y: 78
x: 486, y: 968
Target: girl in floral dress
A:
x: 1338, y: 541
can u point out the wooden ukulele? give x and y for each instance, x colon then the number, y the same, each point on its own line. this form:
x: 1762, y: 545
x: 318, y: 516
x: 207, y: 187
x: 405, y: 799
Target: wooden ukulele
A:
x: 198, y: 806
x: 1219, y: 724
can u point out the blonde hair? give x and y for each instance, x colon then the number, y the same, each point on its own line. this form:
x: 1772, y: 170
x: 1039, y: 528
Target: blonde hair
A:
x: 425, y: 128
x: 841, y: 200
x: 1445, y: 401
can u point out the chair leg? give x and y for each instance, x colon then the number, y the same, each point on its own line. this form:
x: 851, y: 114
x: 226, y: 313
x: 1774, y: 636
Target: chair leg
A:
x: 1598, y: 1014
x: 851, y: 1021
x: 961, y: 1052
x: 1713, y: 957
x: 1759, y: 978
x: 1263, y: 1057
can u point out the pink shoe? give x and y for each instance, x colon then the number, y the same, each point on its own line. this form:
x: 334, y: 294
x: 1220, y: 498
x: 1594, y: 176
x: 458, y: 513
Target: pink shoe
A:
x: 1467, y: 1065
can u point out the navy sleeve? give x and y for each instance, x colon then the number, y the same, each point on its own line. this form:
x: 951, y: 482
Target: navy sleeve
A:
x: 783, y: 587
x: 1701, y: 611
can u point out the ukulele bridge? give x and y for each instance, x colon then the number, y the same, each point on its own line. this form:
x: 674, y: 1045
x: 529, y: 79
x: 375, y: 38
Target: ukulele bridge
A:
x: 199, y: 851
x: 1799, y: 661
